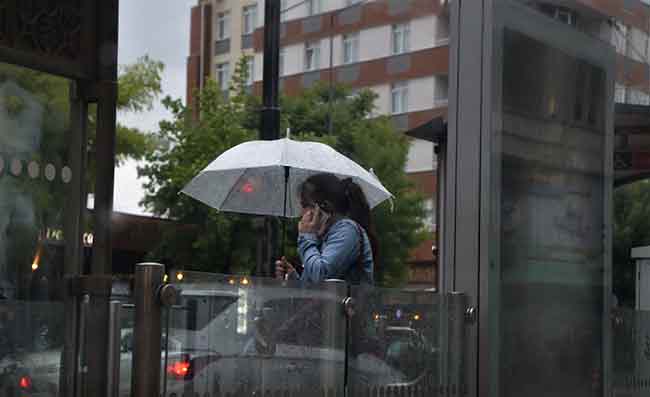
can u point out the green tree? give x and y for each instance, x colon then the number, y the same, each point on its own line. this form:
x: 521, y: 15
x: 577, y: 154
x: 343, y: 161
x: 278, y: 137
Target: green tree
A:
x: 226, y: 242
x: 631, y: 229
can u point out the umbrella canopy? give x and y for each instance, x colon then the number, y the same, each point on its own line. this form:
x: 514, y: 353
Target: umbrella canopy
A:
x: 263, y: 177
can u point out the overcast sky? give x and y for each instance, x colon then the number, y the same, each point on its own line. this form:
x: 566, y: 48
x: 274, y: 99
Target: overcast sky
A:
x: 159, y: 28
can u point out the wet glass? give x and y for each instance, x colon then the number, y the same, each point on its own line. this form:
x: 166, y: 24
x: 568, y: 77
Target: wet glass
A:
x: 255, y: 336
x: 35, y: 177
x: 36, y: 180
x: 551, y: 182
x: 31, y: 341
x: 395, y: 342
x: 630, y: 351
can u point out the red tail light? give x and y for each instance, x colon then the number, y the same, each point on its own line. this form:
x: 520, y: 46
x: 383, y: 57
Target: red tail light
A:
x: 179, y: 369
x: 25, y: 382
x: 186, y: 369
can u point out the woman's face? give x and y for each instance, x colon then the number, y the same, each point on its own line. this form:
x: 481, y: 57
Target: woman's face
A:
x: 305, y: 205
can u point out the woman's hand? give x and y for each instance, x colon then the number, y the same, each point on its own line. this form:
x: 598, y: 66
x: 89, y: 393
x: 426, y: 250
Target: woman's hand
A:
x: 311, y: 222
x: 307, y: 224
x: 283, y: 268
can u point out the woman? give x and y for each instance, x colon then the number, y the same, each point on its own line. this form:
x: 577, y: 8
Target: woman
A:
x: 335, y: 239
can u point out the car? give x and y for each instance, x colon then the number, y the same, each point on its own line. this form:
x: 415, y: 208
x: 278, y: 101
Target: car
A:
x: 37, y: 374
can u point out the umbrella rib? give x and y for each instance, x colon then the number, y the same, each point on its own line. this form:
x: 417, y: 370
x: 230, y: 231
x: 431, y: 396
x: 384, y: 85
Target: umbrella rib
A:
x: 232, y: 188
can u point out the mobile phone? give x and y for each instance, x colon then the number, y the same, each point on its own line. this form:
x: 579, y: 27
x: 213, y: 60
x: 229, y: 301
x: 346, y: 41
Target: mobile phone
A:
x: 324, y: 207
x: 325, y: 215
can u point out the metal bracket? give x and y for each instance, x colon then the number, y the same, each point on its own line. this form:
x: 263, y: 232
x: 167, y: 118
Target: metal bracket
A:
x: 168, y: 295
x: 470, y: 315
x: 348, y: 307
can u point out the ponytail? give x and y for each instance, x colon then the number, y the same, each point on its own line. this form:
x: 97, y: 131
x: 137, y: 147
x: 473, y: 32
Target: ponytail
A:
x: 359, y: 211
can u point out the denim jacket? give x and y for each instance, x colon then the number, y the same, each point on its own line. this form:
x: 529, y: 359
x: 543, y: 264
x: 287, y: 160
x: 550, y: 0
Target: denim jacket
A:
x: 336, y: 254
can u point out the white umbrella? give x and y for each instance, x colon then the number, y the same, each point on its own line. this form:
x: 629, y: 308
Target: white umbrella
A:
x: 263, y: 177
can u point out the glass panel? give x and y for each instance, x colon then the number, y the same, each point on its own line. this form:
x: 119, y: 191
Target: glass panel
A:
x: 35, y: 176
x: 630, y: 353
x: 394, y: 342
x: 127, y: 326
x: 549, y: 266
x: 36, y: 210
x: 253, y: 335
x: 31, y: 342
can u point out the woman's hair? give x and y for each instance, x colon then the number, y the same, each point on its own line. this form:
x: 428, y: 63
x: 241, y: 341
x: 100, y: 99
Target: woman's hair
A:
x: 343, y: 197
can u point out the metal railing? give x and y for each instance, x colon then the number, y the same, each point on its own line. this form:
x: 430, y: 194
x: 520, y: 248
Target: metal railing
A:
x: 219, y: 335
x: 343, y: 312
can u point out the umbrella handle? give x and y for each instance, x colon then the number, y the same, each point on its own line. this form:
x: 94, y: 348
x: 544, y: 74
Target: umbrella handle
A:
x: 284, y: 236
x: 287, y: 170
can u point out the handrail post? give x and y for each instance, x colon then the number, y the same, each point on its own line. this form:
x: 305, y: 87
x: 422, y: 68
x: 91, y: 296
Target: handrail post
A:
x: 114, y: 339
x: 148, y: 329
x: 457, y: 307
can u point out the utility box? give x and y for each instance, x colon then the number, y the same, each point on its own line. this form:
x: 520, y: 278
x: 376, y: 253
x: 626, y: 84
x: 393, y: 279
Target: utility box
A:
x: 641, y: 256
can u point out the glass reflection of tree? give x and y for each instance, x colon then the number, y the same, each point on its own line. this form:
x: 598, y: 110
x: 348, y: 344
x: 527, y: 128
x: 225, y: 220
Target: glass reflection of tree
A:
x: 34, y: 110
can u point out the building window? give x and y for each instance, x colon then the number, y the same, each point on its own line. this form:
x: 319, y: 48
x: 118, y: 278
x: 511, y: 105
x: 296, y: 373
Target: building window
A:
x: 351, y: 48
x: 620, y: 93
x: 223, y: 75
x: 400, y: 39
x: 637, y: 45
x: 250, y: 19
x: 250, y: 70
x: 283, y: 53
x: 565, y: 15
x: 312, y: 56
x: 441, y: 91
x: 637, y: 97
x: 399, y: 95
x: 429, y: 220
x: 283, y: 10
x: 223, y: 25
x: 313, y: 7
x: 349, y: 3
x: 619, y: 37
x: 442, y: 30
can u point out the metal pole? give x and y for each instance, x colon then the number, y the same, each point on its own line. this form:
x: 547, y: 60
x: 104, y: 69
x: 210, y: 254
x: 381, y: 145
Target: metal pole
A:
x: 80, y: 387
x: 148, y: 329
x: 114, y: 338
x: 270, y: 120
x: 270, y: 128
x: 441, y: 169
x: 456, y: 309
x: 106, y: 88
x: 330, y: 99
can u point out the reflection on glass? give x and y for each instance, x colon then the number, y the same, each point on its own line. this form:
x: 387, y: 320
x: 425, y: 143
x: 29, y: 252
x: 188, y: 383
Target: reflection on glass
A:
x: 549, y: 207
x: 255, y: 336
x: 34, y: 137
x: 394, y: 341
x: 31, y: 339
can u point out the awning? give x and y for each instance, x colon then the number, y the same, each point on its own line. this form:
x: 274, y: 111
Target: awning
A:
x: 434, y: 130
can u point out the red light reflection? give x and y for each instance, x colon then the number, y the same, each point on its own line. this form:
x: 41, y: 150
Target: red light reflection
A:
x: 25, y: 382
x: 247, y: 188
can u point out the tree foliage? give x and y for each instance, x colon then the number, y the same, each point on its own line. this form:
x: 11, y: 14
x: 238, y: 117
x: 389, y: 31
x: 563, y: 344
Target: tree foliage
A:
x: 226, y: 242
x: 631, y: 229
